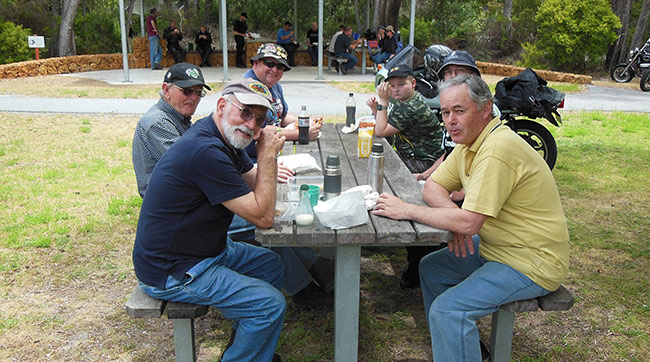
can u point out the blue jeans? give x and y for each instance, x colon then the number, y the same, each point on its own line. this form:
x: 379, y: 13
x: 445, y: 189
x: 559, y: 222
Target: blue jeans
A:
x: 296, y: 261
x: 352, y: 60
x: 243, y: 284
x: 155, y: 50
x: 380, y: 57
x: 458, y: 291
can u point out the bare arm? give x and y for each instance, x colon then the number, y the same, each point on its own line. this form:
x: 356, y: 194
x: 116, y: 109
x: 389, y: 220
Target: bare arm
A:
x: 428, y: 172
x: 382, y: 128
x: 258, y: 206
x: 457, y: 220
x: 291, y: 133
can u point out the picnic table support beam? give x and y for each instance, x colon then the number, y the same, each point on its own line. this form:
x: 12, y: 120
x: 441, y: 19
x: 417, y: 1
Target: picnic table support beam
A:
x: 503, y: 322
x: 184, y: 340
x: 346, y: 304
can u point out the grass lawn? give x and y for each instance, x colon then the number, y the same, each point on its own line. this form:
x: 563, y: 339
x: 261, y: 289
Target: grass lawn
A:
x: 69, y: 208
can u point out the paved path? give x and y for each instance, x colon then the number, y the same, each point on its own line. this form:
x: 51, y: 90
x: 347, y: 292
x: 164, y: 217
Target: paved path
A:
x: 300, y: 87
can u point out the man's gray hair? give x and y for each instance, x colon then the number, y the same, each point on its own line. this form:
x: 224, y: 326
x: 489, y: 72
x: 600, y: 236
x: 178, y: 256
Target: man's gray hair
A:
x: 478, y: 90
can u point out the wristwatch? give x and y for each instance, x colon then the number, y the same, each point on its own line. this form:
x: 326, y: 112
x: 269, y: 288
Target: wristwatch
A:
x: 380, y: 107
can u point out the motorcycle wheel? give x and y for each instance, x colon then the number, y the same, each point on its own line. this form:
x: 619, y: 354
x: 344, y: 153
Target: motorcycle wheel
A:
x: 538, y: 137
x: 620, y: 75
x: 645, y: 81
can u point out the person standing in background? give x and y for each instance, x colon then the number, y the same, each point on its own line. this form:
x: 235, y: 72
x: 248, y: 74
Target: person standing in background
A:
x: 313, y: 43
x: 155, y: 50
x: 241, y: 32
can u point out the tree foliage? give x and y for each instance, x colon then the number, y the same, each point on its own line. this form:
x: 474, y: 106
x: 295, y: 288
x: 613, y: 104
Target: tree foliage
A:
x: 13, y: 43
x: 559, y: 34
x: 574, y: 35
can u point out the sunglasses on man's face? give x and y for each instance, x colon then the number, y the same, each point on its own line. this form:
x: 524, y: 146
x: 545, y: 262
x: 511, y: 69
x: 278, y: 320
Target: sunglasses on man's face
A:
x: 247, y: 114
x: 187, y: 92
x: 271, y: 64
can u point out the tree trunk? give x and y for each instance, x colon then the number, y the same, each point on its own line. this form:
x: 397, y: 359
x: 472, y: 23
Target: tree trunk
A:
x: 207, y: 12
x: 357, y: 17
x: 377, y: 12
x: 507, y: 14
x: 56, y: 14
x: 129, y: 15
x: 641, y: 24
x: 507, y: 9
x: 391, y: 13
x: 66, y: 33
x: 616, y: 52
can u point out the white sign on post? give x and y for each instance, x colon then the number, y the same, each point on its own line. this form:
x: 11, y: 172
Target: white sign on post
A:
x: 36, y: 41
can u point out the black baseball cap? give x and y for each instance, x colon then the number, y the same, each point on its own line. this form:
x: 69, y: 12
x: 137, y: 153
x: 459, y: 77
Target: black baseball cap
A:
x: 244, y: 15
x: 271, y: 50
x: 400, y: 70
x: 185, y: 75
x: 459, y: 57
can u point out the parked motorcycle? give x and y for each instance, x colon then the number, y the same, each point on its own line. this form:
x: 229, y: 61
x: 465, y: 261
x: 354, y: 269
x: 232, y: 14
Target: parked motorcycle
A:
x: 637, y: 65
x: 521, y: 115
x: 645, y: 82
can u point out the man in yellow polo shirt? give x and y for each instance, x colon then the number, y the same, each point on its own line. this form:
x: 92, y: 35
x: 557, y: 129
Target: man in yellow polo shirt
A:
x: 511, y: 202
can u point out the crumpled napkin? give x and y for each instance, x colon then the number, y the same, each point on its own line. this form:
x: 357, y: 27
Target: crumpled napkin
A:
x: 370, y: 197
x: 300, y: 162
x: 342, y: 212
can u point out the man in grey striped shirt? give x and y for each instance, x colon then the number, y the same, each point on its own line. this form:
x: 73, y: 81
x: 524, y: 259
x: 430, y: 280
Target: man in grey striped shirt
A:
x: 166, y: 121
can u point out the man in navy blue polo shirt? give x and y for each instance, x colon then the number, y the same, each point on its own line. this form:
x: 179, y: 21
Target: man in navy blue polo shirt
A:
x: 182, y: 252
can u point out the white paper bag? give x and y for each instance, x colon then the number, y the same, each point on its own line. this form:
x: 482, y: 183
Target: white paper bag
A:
x: 300, y: 162
x: 369, y: 195
x: 344, y: 211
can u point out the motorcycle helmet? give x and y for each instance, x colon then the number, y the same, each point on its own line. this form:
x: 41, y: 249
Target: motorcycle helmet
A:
x: 434, y: 56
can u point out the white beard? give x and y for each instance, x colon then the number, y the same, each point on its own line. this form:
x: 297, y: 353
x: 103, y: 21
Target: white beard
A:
x: 230, y: 132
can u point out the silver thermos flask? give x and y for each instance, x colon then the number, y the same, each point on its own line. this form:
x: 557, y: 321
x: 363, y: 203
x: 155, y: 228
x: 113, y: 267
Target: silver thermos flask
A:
x: 376, y: 167
x: 332, y: 177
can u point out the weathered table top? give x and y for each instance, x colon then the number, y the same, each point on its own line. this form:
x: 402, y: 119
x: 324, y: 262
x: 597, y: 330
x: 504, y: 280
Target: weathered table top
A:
x: 380, y: 231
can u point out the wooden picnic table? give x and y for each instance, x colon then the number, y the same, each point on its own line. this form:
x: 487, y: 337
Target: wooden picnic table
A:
x: 380, y: 231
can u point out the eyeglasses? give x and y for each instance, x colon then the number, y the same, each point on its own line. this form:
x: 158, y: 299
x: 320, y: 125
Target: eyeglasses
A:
x: 271, y: 64
x: 187, y: 92
x: 246, y: 114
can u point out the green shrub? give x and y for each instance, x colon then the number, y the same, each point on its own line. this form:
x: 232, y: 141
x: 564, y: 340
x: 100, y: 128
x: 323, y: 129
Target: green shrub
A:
x: 13, y: 43
x: 574, y: 35
x: 97, y: 32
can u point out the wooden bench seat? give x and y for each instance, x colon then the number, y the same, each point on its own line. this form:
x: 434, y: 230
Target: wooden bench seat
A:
x: 503, y: 320
x: 141, y: 305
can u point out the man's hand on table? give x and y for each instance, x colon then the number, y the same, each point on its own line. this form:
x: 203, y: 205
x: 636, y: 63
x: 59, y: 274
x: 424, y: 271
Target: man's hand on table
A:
x: 392, y: 207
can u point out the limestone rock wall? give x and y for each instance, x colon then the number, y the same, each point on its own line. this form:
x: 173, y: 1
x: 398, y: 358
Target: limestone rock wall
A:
x: 510, y: 71
x: 140, y: 59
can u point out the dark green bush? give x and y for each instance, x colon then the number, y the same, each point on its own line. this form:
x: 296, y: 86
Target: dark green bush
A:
x: 573, y: 35
x: 13, y: 43
x: 97, y: 32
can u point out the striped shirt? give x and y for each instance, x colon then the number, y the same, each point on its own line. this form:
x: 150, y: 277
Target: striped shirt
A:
x: 155, y: 133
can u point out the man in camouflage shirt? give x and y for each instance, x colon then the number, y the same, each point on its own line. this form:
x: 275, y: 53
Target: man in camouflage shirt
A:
x: 416, y: 129
x: 417, y: 138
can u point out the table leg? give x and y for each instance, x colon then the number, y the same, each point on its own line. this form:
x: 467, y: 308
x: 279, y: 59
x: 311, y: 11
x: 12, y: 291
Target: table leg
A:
x: 363, y: 61
x: 346, y: 304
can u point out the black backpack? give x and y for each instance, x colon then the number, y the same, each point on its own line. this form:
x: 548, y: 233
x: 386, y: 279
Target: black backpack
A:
x: 527, y: 93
